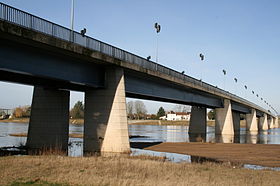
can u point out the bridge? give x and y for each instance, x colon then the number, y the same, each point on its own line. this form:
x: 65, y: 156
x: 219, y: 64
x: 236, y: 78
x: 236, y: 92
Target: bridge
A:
x: 55, y: 59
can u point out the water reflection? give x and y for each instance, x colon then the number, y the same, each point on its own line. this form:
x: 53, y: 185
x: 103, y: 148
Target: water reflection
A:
x: 150, y: 133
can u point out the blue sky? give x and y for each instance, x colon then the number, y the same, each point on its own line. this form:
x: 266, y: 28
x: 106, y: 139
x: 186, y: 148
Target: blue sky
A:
x: 242, y: 37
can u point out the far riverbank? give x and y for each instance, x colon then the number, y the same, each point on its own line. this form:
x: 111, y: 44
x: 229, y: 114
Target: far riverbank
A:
x: 130, y: 122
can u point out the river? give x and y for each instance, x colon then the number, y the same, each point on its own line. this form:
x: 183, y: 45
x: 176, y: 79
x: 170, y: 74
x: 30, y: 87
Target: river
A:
x: 143, y: 133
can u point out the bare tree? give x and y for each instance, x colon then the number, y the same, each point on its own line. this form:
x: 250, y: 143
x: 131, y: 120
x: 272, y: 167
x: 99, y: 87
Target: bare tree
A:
x: 129, y: 106
x: 182, y: 108
x: 140, y: 108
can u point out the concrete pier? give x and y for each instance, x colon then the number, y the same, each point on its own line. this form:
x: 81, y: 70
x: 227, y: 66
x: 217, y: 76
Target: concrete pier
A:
x: 236, y: 122
x: 49, y: 121
x: 198, y: 123
x: 251, y: 121
x: 105, y: 127
x: 263, y: 124
x: 224, y: 121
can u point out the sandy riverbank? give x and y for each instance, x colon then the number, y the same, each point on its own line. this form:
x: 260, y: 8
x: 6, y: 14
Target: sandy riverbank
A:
x: 256, y: 154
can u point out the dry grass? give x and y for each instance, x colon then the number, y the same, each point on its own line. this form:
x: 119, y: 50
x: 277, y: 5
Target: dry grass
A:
x: 125, y: 171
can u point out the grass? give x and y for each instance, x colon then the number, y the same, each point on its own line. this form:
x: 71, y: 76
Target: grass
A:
x: 120, y: 170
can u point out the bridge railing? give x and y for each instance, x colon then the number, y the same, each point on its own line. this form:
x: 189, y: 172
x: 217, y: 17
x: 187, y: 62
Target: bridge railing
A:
x: 19, y: 17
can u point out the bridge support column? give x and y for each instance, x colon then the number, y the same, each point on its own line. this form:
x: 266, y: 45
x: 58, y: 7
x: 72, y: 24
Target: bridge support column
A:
x: 49, y: 121
x: 105, y: 126
x: 224, y: 121
x: 263, y: 124
x: 276, y: 122
x: 270, y: 123
x: 251, y: 121
x: 198, y: 123
x: 236, y: 122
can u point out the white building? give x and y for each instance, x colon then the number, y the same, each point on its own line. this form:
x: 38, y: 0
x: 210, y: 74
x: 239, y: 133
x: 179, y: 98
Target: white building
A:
x: 176, y: 116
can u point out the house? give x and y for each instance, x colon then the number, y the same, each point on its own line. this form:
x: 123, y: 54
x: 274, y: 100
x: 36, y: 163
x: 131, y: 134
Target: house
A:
x: 175, y: 116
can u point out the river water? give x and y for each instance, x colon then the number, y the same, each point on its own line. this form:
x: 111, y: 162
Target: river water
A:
x: 144, y: 133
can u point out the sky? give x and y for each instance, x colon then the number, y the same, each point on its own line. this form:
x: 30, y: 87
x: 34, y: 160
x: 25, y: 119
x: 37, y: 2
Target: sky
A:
x: 242, y: 37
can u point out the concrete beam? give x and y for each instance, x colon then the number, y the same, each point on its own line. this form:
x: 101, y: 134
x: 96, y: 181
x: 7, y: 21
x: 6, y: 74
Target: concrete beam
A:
x: 49, y: 121
x: 105, y: 128
x: 251, y: 121
x: 224, y: 121
x: 276, y: 122
x: 198, y: 123
x: 263, y: 124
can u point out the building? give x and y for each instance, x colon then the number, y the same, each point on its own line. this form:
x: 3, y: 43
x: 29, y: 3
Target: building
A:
x: 176, y: 116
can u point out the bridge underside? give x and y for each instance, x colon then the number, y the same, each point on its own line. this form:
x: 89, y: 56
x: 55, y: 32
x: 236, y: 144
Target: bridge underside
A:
x: 26, y: 64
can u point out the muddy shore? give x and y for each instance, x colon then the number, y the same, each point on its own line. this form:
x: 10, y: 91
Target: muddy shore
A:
x: 256, y: 154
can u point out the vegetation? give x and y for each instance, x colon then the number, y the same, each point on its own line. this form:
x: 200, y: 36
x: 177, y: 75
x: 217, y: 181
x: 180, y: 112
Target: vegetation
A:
x: 160, y: 113
x: 211, y: 114
x: 77, y: 111
x: 136, y: 110
x: 22, y: 112
x: 142, y: 170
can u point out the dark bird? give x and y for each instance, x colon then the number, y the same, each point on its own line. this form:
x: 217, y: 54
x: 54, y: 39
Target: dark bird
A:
x: 148, y: 58
x: 245, y: 87
x: 83, y: 32
x: 253, y: 92
x: 183, y: 72
x: 235, y: 79
x: 225, y: 72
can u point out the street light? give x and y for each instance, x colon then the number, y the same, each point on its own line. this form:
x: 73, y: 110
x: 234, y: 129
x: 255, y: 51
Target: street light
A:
x: 72, y: 21
x: 201, y: 58
x: 224, y: 72
x: 158, y: 28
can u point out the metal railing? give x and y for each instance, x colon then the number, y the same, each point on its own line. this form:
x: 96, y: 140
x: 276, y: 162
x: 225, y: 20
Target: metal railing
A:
x: 24, y: 19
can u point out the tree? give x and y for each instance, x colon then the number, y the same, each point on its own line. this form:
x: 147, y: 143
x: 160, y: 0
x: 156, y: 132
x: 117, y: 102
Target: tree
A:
x: 20, y: 112
x: 161, y: 112
x: 129, y: 107
x: 182, y: 108
x: 77, y: 111
x: 212, y: 114
x: 140, y: 109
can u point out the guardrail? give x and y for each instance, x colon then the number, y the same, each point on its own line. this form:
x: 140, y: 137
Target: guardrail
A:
x: 24, y: 19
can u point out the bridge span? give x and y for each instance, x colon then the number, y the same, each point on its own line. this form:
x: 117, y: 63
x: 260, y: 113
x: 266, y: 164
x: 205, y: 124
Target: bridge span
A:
x: 55, y: 59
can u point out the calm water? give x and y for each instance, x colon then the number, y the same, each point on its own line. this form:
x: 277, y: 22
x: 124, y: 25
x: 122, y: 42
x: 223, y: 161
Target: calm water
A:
x: 147, y: 133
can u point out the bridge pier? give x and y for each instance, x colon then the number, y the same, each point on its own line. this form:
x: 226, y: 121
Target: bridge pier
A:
x: 276, y: 122
x: 224, y: 119
x: 270, y: 122
x: 49, y: 121
x: 251, y: 121
x: 198, y: 123
x: 105, y: 126
x: 236, y: 122
x: 263, y: 124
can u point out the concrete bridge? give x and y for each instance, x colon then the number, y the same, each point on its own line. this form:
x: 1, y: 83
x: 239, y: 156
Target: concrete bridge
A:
x: 55, y: 59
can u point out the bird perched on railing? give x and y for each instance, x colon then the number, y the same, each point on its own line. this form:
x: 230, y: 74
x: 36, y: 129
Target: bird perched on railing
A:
x: 83, y: 32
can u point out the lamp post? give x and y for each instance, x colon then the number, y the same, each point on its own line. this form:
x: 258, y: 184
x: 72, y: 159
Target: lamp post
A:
x: 224, y: 72
x: 158, y: 28
x: 202, y: 59
x: 72, y: 21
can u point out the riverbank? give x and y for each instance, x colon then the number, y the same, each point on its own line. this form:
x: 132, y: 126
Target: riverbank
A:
x: 256, y: 154
x: 130, y: 122
x: 62, y: 170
